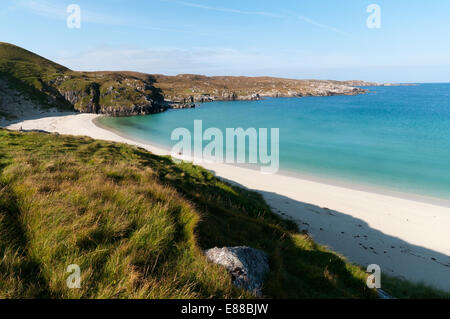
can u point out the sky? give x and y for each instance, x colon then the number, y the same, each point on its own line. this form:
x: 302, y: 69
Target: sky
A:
x: 305, y: 39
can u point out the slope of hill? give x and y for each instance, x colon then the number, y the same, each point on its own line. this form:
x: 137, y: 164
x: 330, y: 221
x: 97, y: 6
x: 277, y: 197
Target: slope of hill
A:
x: 137, y: 225
x: 50, y: 85
x: 39, y: 83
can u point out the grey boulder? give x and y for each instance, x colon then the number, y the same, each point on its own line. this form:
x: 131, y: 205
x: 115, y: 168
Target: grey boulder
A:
x: 247, y: 266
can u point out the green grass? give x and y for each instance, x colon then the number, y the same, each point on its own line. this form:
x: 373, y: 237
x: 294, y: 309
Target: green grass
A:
x: 403, y: 289
x: 137, y: 223
x: 46, y: 83
x: 30, y: 74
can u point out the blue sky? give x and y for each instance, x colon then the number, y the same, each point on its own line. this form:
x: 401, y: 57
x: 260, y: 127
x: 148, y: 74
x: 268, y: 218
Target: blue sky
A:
x: 324, y: 39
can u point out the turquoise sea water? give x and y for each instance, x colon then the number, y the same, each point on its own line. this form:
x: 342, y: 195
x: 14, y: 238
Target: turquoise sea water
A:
x: 394, y: 137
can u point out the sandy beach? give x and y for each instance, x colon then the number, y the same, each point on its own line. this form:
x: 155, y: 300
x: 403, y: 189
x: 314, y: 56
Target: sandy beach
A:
x: 406, y: 237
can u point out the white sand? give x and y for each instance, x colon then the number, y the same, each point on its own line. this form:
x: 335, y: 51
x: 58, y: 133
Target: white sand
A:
x: 405, y: 237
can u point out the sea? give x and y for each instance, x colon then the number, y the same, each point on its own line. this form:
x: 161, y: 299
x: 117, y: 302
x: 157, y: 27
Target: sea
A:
x: 394, y: 138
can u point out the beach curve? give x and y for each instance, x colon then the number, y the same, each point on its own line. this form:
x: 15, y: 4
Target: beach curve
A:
x: 405, y: 237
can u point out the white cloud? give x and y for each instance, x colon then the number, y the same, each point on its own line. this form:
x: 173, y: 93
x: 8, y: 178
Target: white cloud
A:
x: 260, y: 13
x: 321, y: 25
x: 166, y: 61
x: 202, y: 61
x: 58, y: 11
x: 43, y: 8
x: 211, y: 8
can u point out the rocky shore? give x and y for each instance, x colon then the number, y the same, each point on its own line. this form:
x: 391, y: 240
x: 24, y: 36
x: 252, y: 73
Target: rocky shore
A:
x: 184, y: 91
x: 125, y: 95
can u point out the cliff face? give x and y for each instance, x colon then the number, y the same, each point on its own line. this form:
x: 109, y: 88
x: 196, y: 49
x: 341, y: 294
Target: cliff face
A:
x: 90, y: 97
x: 113, y: 94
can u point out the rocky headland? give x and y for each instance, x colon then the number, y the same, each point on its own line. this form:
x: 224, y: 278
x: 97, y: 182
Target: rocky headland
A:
x: 188, y: 89
x: 31, y: 82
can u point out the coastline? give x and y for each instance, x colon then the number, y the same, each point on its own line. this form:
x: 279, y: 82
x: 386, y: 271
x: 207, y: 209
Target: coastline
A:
x: 406, y: 237
x: 369, y: 188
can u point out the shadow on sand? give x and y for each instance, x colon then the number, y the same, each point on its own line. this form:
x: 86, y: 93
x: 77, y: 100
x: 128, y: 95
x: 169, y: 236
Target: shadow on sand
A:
x: 354, y: 239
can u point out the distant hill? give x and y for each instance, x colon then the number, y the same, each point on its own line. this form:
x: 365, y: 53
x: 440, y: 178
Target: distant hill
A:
x: 199, y: 88
x: 29, y: 81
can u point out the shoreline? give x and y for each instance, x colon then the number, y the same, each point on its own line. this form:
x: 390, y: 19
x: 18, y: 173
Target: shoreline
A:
x: 406, y: 237
x: 370, y: 188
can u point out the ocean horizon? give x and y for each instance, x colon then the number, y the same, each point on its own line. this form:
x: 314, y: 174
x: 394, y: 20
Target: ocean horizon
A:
x: 394, y: 138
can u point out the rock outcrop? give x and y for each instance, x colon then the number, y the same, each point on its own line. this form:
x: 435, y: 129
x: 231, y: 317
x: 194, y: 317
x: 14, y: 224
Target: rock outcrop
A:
x: 88, y: 100
x: 201, y: 89
x: 247, y: 266
x: 116, y: 95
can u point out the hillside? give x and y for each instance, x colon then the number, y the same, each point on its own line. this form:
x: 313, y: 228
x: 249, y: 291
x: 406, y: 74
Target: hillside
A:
x: 49, y: 85
x: 31, y: 83
x: 137, y: 224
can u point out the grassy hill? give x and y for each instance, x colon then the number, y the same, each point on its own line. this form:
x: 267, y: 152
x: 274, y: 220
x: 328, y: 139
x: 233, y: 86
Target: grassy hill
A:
x: 50, y: 85
x: 137, y: 223
x: 42, y: 84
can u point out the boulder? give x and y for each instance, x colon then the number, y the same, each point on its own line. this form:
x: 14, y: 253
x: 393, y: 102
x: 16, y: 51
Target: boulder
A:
x: 248, y: 266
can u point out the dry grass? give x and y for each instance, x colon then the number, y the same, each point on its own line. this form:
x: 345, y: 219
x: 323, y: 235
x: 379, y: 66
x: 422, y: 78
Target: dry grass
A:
x: 131, y: 235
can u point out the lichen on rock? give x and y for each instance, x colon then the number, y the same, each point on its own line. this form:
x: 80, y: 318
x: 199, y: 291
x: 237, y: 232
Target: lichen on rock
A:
x: 248, y: 266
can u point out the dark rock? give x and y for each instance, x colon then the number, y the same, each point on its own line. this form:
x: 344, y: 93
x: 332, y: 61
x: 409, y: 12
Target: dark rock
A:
x: 87, y: 99
x: 149, y: 108
x: 182, y: 105
x: 34, y: 131
x: 231, y: 96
